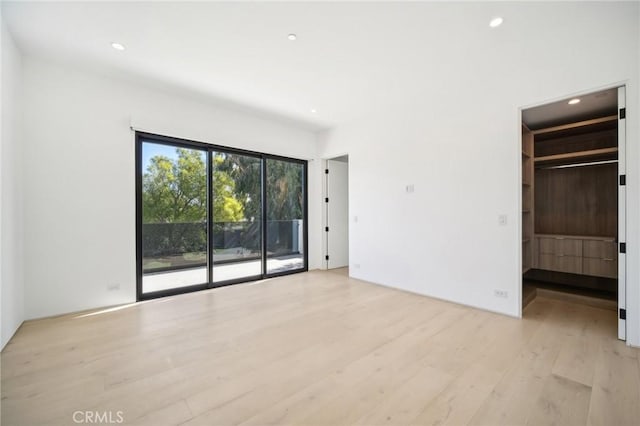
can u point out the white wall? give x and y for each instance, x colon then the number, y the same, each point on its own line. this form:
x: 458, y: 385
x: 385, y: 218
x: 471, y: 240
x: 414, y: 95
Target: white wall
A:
x: 79, y: 177
x: 459, y: 146
x: 11, y: 265
x: 2, y: 32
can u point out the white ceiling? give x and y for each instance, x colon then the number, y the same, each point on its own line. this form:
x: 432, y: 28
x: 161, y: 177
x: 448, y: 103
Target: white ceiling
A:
x: 350, y: 59
x: 592, y: 105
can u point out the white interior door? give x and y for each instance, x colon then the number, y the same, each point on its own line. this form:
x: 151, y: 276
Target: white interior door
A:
x: 622, y: 217
x: 337, y: 230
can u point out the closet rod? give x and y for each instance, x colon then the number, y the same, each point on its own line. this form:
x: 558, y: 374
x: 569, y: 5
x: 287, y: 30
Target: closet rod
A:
x: 567, y: 166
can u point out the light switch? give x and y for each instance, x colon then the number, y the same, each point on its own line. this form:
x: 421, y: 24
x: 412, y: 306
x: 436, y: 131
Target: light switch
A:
x: 502, y: 220
x: 409, y: 188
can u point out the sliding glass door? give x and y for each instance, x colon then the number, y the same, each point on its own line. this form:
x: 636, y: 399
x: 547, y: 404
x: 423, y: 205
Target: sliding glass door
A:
x: 209, y: 216
x: 174, y: 217
x: 285, y: 181
x: 237, y: 216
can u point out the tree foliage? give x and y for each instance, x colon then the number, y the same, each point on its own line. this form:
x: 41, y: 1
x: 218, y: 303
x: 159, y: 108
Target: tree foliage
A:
x: 226, y: 206
x: 175, y: 189
x: 285, y: 196
x: 246, y: 173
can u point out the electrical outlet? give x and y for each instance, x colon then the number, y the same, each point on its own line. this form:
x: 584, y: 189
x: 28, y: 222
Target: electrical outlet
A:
x: 355, y: 219
x: 356, y: 266
x: 113, y: 287
x: 410, y: 188
x: 501, y: 293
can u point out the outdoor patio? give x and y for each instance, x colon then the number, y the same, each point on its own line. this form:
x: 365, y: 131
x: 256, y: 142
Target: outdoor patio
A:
x: 187, y: 277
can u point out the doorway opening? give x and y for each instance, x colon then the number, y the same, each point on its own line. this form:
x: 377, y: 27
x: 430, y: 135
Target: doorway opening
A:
x: 337, y: 212
x: 574, y: 201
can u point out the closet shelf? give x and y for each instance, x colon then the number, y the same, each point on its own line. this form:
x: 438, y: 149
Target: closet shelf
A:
x: 526, y: 211
x: 578, y: 155
x: 526, y: 184
x: 585, y: 123
x: 526, y: 155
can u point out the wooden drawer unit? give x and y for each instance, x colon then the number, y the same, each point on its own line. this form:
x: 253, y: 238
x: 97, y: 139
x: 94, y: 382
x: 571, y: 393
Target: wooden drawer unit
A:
x: 596, y: 256
x: 560, y: 246
x: 546, y: 245
x: 600, y: 249
x: 600, y: 267
x: 560, y: 263
x: 600, y: 258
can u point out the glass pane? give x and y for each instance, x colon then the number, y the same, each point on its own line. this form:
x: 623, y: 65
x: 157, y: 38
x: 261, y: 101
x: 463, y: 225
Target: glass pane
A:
x: 174, y: 217
x: 285, y: 216
x: 237, y: 218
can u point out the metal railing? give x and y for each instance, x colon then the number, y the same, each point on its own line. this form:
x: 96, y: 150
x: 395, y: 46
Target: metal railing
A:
x: 172, y: 246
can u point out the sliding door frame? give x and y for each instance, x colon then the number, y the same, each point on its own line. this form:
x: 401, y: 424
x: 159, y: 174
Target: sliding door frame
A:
x: 305, y: 198
x: 140, y: 138
x: 248, y: 278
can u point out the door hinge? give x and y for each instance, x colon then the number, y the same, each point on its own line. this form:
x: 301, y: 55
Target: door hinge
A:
x: 326, y: 200
x: 623, y: 113
x: 623, y: 314
x: 326, y: 257
x: 326, y: 171
x: 623, y: 180
x: 326, y: 229
x: 623, y: 247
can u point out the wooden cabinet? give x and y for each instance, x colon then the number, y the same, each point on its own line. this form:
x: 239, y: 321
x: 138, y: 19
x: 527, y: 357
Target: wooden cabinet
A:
x: 600, y: 267
x: 585, y: 255
x: 561, y: 263
x: 600, y: 258
x: 560, y: 246
x: 601, y: 249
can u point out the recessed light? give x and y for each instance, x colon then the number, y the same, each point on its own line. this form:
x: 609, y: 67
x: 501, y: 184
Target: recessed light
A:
x: 292, y: 37
x: 117, y: 46
x: 313, y: 110
x: 496, y: 22
x: 574, y: 101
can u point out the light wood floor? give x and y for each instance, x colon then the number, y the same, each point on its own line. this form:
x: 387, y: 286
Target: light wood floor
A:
x: 321, y: 349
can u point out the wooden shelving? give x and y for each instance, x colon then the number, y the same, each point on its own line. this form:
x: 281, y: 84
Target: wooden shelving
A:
x: 560, y: 156
x: 575, y: 125
x: 578, y: 155
x: 572, y: 191
x: 527, y: 198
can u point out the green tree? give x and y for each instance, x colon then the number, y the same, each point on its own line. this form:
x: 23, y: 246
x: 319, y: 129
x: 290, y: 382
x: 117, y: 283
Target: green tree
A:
x: 284, y: 190
x: 246, y: 173
x: 175, y: 190
x: 226, y: 206
x: 284, y: 185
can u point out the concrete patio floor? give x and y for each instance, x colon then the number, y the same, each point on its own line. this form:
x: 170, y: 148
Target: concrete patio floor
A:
x: 187, y: 277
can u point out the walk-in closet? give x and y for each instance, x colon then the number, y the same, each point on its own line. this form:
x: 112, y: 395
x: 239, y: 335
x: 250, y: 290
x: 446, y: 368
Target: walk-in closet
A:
x: 571, y: 200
